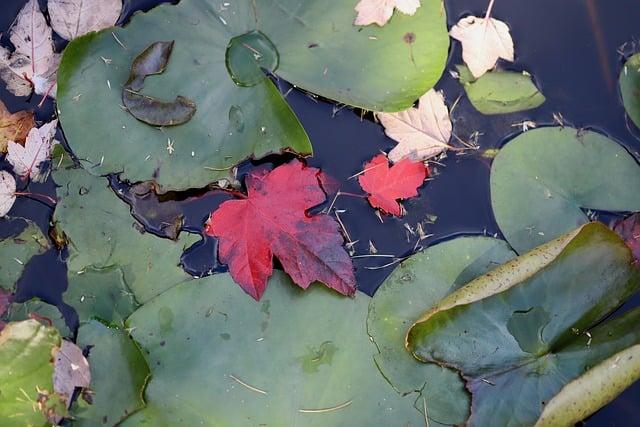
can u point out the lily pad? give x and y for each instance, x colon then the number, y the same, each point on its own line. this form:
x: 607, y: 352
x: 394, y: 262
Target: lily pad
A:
x: 101, y: 233
x: 26, y: 375
x: 515, y: 339
x: 16, y: 251
x: 118, y: 372
x: 544, y: 180
x: 295, y: 359
x: 422, y: 281
x: 40, y: 310
x: 218, y: 51
x: 501, y: 92
x: 101, y: 294
x: 630, y: 88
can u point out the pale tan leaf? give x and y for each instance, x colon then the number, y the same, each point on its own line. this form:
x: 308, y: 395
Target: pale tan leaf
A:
x: 484, y: 41
x: 7, y: 192
x: 27, y: 161
x: 14, y: 127
x: 422, y: 132
x: 71, y: 370
x: 74, y: 18
x: 380, y: 11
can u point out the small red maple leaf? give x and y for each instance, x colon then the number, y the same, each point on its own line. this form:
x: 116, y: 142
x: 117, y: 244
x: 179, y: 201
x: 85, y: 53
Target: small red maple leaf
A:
x: 386, y: 185
x: 629, y: 229
x: 273, y: 220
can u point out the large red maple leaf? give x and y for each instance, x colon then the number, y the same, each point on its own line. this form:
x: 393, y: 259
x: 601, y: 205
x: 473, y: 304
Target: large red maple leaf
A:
x: 273, y: 220
x: 386, y: 185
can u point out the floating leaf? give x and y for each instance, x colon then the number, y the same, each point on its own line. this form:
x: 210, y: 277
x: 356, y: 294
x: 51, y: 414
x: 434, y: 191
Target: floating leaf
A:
x: 422, y: 132
x: 629, y: 229
x: 203, y: 342
x: 41, y: 311
x: 16, y: 251
x: 7, y: 192
x: 501, y: 92
x: 515, y: 339
x: 74, y: 18
x: 419, y: 282
x: 484, y: 41
x: 273, y: 221
x: 14, y: 127
x: 118, y: 376
x: 153, y: 60
x: 380, y: 11
x: 33, y: 64
x: 385, y: 185
x: 236, y: 122
x: 630, y: 88
x: 26, y: 375
x: 71, y: 370
x: 30, y: 161
x: 101, y: 232
x: 544, y: 179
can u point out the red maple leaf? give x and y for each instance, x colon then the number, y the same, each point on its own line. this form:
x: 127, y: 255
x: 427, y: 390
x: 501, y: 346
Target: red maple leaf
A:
x: 386, y: 185
x: 629, y: 229
x: 273, y: 220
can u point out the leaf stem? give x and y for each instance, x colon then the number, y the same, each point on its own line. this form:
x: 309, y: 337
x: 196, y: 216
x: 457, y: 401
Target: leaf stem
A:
x: 35, y: 196
x: 489, y: 9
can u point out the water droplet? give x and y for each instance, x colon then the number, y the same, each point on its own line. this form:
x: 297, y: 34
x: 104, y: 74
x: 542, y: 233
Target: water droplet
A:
x: 236, y: 117
x: 248, y: 55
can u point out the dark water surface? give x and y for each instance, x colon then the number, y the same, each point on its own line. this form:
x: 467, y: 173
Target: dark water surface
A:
x: 574, y: 49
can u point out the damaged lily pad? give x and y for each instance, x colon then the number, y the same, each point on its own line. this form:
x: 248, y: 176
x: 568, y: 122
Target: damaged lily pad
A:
x: 517, y: 342
x: 501, y: 92
x: 544, y: 180
x: 16, y: 251
x: 630, y: 88
x: 100, y: 233
x: 289, y: 360
x: 419, y: 282
x: 234, y: 122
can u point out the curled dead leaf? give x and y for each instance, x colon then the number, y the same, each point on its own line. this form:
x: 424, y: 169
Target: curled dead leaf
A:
x: 14, y: 126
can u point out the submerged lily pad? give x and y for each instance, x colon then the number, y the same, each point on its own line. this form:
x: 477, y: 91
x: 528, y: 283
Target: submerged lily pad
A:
x: 544, y: 180
x: 501, y: 92
x: 16, y: 251
x: 630, y: 88
x: 419, y: 282
x: 234, y: 122
x: 517, y: 341
x: 118, y: 376
x: 101, y: 233
x: 294, y: 359
x: 27, y: 398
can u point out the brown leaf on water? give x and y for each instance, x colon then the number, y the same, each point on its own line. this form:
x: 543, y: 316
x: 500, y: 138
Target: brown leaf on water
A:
x: 14, y: 126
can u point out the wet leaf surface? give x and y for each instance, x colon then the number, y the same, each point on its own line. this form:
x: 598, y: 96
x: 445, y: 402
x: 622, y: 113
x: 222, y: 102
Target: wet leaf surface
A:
x: 272, y: 221
x: 517, y: 342
x: 559, y: 173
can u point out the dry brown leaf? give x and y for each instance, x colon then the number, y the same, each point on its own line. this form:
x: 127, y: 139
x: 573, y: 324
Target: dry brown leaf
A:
x: 422, y: 132
x: 379, y: 11
x: 484, y: 41
x: 74, y: 18
x: 34, y: 64
x: 14, y: 127
x: 71, y: 370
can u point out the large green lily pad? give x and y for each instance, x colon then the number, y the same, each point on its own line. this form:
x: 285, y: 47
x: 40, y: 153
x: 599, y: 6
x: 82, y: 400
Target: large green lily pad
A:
x: 296, y: 359
x: 517, y: 341
x: 118, y: 376
x: 630, y: 88
x: 27, y: 352
x: 501, y: 92
x: 544, y: 180
x: 419, y: 282
x: 305, y: 43
x: 101, y: 233
x: 16, y: 251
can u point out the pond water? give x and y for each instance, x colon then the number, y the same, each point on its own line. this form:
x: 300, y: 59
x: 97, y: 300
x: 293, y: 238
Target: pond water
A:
x: 574, y: 49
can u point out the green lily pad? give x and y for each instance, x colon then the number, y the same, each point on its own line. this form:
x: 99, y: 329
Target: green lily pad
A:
x: 216, y: 43
x: 101, y: 294
x: 516, y: 340
x: 101, y: 233
x: 501, y: 92
x: 40, y: 310
x: 27, y: 352
x: 419, y: 282
x: 219, y: 358
x: 118, y: 376
x: 16, y: 251
x: 544, y: 180
x: 630, y: 88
